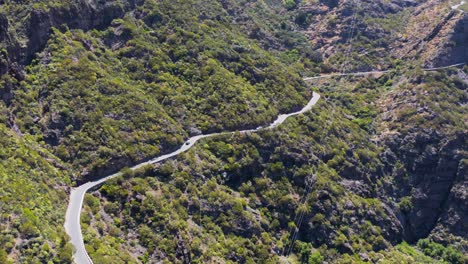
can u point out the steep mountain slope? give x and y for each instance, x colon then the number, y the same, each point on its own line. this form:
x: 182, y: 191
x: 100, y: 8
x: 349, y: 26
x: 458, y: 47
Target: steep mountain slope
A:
x: 26, y: 25
x: 365, y: 195
x: 33, y: 188
x: 377, y: 34
x: 90, y: 87
x: 396, y: 192
x: 425, y: 128
x: 249, y: 190
x: 148, y: 72
x: 127, y: 90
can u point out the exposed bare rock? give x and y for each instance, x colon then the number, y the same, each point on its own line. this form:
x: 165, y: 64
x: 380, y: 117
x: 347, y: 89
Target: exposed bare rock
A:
x: 36, y: 29
x: 433, y: 153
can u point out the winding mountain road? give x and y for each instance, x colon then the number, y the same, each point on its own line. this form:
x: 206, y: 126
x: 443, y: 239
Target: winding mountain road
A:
x: 72, y: 218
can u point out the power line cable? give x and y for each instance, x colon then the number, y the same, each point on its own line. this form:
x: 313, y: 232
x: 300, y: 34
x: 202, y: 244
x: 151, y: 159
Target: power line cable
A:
x: 300, y: 216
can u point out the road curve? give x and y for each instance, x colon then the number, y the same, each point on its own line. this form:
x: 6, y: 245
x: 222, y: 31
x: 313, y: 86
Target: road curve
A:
x: 72, y: 218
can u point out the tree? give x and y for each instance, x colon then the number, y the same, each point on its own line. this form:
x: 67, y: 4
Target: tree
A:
x: 316, y: 258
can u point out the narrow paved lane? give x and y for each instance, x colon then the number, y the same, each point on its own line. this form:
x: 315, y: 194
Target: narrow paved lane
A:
x: 377, y: 72
x: 72, y: 218
x: 457, y: 6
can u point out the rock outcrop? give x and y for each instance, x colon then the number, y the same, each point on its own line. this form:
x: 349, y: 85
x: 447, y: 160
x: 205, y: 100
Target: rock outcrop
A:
x: 434, y: 166
x: 454, y: 50
x: 427, y: 156
x: 20, y: 44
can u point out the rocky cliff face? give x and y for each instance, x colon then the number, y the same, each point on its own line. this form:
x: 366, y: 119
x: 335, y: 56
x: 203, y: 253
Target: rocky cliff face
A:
x: 367, y: 35
x: 430, y: 145
x: 434, y: 166
x: 453, y: 220
x: 452, y: 48
x: 25, y: 29
x: 408, y: 182
x: 435, y: 34
x: 429, y: 31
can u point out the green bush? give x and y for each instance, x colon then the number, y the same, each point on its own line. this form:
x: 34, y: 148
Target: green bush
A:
x: 405, y: 204
x: 433, y: 249
x: 290, y: 4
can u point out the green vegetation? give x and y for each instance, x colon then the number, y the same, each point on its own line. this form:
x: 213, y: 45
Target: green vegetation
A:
x: 96, y: 101
x: 32, y: 192
x: 130, y: 80
x: 438, y: 251
x: 244, y: 189
x: 245, y: 192
x: 405, y: 204
x: 435, y: 92
x: 89, y: 95
x: 290, y: 4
